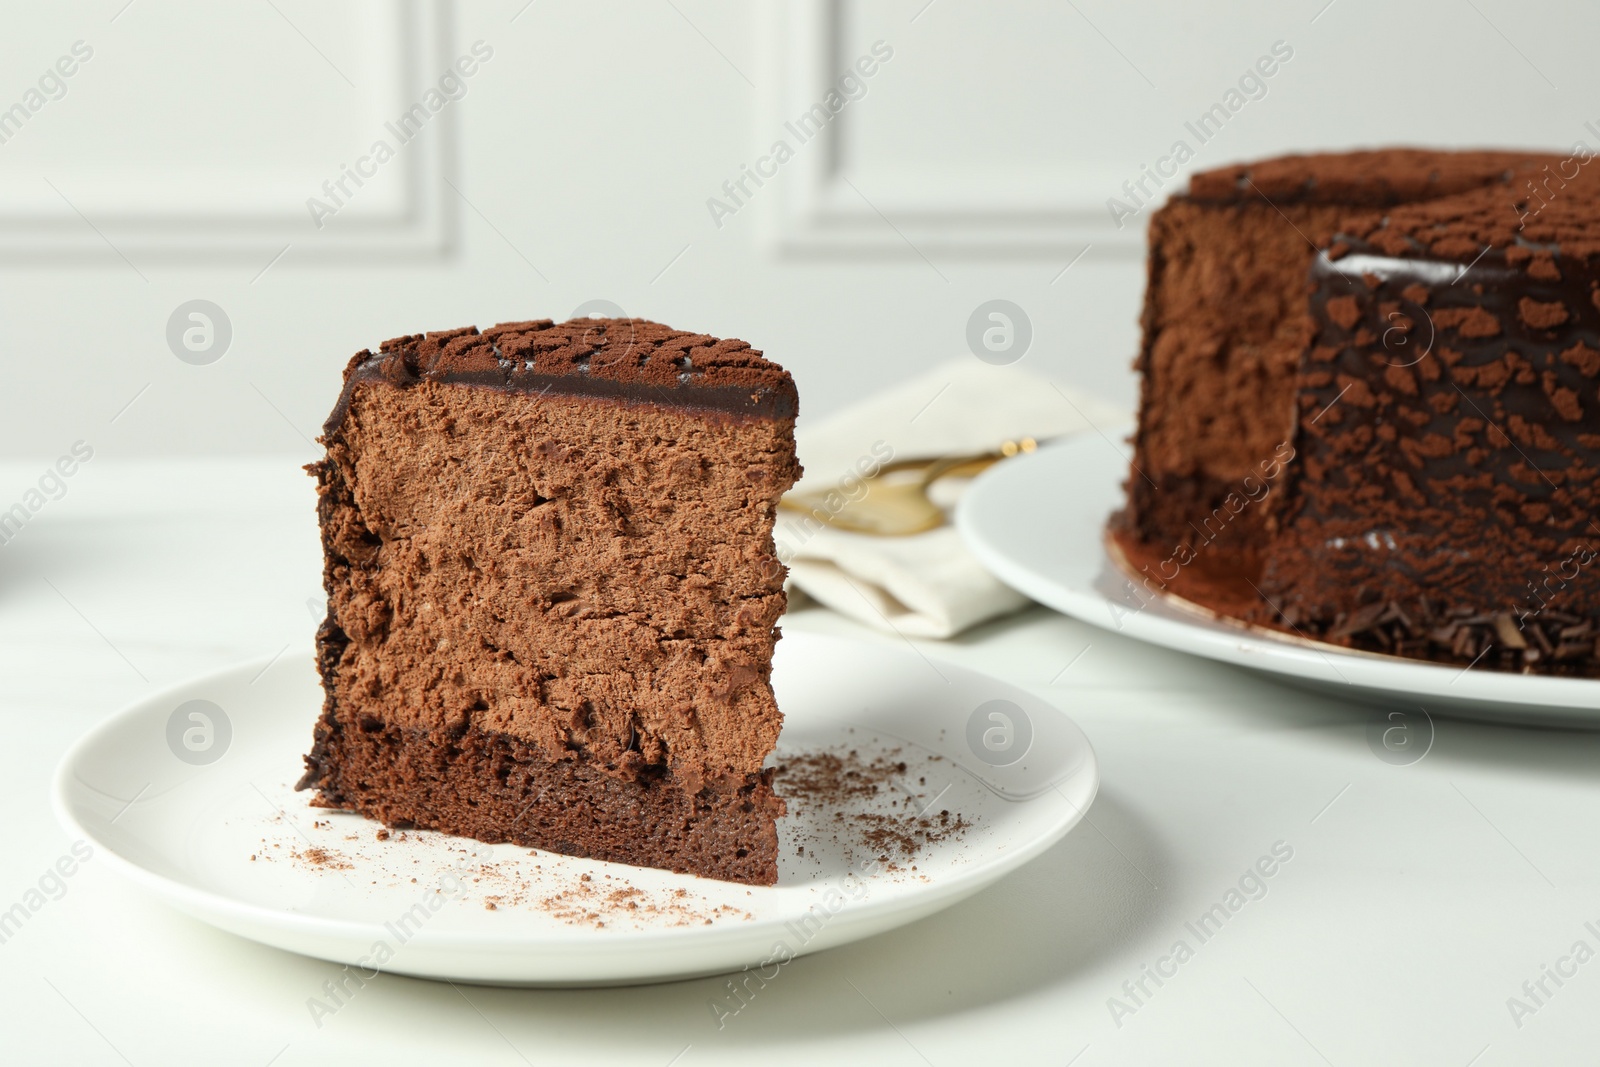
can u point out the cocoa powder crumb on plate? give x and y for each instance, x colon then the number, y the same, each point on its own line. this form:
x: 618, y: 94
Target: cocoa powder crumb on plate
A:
x: 322, y: 857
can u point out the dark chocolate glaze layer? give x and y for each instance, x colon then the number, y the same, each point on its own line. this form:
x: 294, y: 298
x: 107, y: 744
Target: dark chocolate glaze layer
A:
x: 1449, y: 439
x: 1461, y: 373
x: 631, y: 360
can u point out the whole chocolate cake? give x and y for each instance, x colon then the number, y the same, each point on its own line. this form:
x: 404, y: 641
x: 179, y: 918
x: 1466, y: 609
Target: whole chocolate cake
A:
x: 1370, y: 407
x: 552, y: 591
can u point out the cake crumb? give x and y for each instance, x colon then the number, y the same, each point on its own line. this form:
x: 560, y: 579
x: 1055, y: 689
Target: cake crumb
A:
x: 324, y: 857
x: 851, y: 792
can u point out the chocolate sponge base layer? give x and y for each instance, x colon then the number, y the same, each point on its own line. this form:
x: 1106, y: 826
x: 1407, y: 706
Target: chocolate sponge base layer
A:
x: 494, y: 788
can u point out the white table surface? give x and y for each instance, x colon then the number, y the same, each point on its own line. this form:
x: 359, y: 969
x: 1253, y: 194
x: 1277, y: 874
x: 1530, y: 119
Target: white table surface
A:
x: 1418, y: 899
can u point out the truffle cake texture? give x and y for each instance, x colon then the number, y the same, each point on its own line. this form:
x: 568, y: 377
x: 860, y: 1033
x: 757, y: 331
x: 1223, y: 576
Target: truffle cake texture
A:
x: 1227, y: 320
x: 553, y: 591
x: 1370, y: 410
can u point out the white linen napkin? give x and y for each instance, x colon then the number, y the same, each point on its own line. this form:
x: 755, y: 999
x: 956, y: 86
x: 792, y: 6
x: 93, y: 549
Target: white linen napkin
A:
x: 928, y: 584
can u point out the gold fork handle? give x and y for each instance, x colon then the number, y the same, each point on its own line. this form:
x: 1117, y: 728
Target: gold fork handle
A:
x: 967, y: 466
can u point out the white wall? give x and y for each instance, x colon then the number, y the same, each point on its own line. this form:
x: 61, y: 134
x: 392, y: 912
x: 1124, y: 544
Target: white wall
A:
x: 976, y: 164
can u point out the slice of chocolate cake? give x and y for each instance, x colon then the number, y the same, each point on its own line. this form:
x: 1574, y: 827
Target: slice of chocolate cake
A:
x: 552, y: 591
x: 1369, y: 410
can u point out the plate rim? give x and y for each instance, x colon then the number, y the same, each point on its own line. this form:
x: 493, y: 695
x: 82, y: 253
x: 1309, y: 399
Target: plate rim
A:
x: 205, y: 904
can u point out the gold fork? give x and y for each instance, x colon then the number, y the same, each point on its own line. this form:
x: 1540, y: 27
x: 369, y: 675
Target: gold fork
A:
x: 896, y: 509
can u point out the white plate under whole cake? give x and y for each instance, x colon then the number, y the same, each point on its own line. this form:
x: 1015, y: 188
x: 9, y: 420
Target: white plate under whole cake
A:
x: 1038, y: 522
x: 911, y: 785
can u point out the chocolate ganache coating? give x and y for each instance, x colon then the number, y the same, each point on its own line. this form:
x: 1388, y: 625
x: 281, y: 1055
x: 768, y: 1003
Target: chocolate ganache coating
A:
x: 1449, y: 433
x: 625, y: 359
